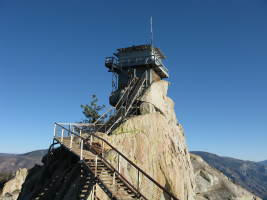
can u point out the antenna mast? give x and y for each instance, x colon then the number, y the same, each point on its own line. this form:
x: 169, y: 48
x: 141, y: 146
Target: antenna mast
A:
x: 151, y: 31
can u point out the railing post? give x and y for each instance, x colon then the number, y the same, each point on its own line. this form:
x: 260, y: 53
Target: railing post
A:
x: 138, y: 180
x: 81, y: 155
x: 93, y: 193
x: 91, y: 140
x: 113, y: 178
x: 102, y: 148
x: 62, y: 135
x: 80, y: 133
x: 96, y: 166
x: 71, y: 140
x: 73, y: 129
x: 119, y: 169
x: 55, y: 130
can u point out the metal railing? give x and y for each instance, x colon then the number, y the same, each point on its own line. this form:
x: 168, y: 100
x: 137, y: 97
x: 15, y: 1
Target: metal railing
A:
x: 150, y: 59
x: 137, y: 179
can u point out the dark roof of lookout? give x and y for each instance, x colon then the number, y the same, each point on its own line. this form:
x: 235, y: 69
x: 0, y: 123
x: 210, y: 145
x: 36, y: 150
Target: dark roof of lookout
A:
x: 141, y: 48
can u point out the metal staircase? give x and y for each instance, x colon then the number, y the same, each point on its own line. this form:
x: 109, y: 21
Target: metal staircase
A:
x: 123, y: 107
x: 106, y: 174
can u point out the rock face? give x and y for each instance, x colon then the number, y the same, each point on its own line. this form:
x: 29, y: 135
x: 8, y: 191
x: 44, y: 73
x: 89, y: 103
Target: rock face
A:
x: 155, y: 143
x: 155, y: 99
x: 12, y: 188
x: 250, y: 175
x: 214, y: 185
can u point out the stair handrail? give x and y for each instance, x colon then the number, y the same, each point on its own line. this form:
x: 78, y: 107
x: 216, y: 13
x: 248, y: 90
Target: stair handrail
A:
x: 134, y: 95
x: 112, y: 108
x: 131, y: 91
x: 129, y: 161
x: 135, y: 166
x: 102, y: 158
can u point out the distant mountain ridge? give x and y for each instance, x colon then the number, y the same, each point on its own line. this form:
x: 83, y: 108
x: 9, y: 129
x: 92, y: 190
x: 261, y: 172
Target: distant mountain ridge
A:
x: 263, y: 162
x: 9, y: 163
x: 248, y: 174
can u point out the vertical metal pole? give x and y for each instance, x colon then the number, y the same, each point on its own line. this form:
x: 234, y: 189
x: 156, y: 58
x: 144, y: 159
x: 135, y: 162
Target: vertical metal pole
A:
x: 113, y: 178
x: 93, y: 194
x: 91, y: 140
x: 71, y: 140
x: 81, y: 155
x: 138, y: 180
x: 102, y: 148
x: 119, y: 169
x: 69, y: 129
x: 96, y: 166
x: 73, y: 129
x: 62, y: 135
x: 80, y: 133
x: 55, y: 130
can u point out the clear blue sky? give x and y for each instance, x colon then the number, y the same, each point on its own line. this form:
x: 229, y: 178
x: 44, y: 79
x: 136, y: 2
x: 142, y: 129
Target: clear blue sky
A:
x: 52, y: 59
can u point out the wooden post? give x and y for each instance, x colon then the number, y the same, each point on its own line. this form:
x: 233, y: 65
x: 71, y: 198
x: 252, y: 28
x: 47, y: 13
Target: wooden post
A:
x: 81, y: 155
x: 62, y: 135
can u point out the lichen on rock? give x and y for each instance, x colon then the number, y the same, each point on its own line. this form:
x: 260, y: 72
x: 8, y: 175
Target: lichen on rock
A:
x: 155, y: 142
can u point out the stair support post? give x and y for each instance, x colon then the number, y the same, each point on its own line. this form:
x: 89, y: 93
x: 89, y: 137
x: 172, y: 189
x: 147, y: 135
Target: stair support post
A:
x: 81, y: 154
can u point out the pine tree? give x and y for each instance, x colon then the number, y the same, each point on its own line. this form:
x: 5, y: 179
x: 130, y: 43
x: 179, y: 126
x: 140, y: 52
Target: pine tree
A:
x: 92, y: 111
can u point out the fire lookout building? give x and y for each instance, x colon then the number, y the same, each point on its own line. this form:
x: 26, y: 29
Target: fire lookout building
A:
x: 135, y: 62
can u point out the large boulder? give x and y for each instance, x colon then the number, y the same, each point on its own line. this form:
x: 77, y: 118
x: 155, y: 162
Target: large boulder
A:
x: 156, y: 96
x: 12, y: 188
x: 156, y: 143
